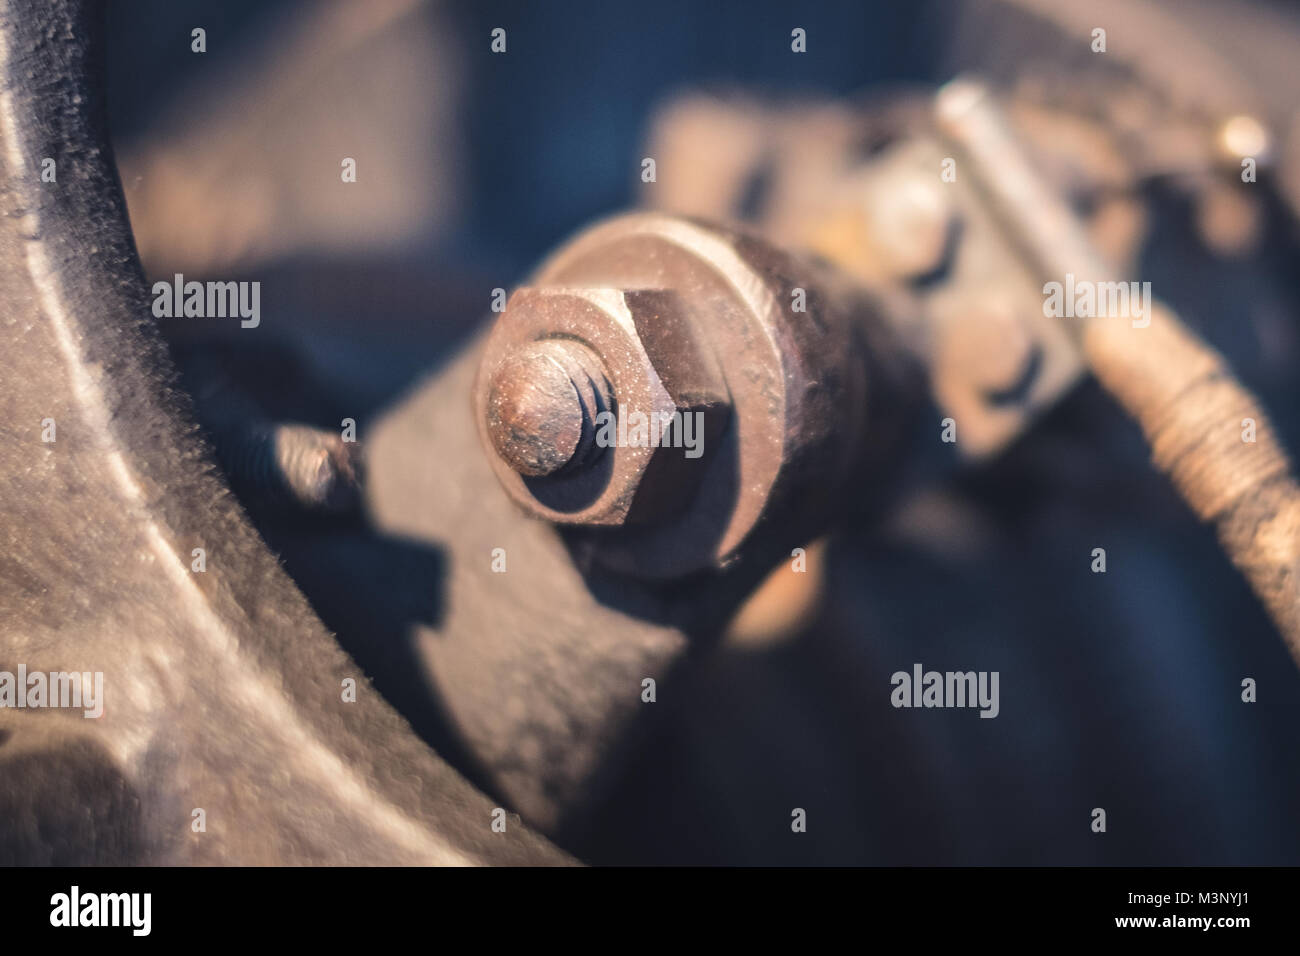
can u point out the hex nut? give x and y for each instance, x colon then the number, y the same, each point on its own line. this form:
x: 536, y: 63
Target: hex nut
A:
x: 582, y: 400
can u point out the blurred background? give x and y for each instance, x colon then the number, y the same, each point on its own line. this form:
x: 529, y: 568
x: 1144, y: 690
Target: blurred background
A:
x: 1119, y: 690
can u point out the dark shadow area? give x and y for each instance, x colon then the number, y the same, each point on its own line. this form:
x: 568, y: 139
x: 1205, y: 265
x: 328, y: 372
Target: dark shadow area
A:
x: 371, y: 591
x: 1118, y: 690
x: 64, y: 802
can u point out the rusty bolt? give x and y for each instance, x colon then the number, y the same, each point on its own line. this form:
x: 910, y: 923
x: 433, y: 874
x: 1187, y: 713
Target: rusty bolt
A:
x: 296, y: 465
x: 543, y: 403
x: 697, y: 321
x: 584, y: 396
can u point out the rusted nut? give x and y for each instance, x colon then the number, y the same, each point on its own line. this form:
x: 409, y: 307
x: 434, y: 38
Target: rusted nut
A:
x: 599, y: 403
x: 748, y: 352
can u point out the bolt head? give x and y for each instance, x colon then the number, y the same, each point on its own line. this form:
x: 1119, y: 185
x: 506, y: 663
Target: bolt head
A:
x: 554, y: 452
x: 536, y: 417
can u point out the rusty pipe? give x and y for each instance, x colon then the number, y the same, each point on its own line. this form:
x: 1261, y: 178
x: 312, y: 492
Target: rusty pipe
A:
x: 1193, y: 411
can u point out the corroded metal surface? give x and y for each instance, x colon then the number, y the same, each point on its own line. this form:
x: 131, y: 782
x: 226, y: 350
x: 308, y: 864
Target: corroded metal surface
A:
x: 749, y: 338
x: 549, y: 631
x: 222, y: 691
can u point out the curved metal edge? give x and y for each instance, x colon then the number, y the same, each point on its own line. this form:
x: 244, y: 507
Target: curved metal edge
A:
x: 222, y: 687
